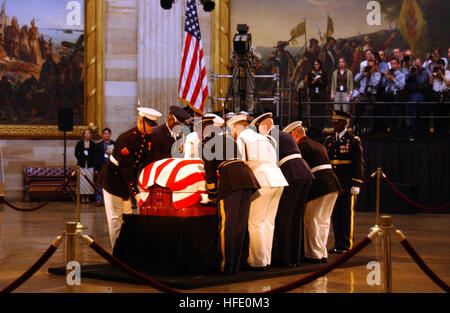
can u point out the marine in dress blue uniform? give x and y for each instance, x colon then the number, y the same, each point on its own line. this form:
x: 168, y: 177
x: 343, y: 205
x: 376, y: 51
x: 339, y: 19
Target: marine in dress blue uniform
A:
x: 118, y: 176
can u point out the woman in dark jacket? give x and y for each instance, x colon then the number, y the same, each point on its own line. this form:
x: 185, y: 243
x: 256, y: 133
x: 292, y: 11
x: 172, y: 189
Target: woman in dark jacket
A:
x: 317, y: 82
x: 84, y: 152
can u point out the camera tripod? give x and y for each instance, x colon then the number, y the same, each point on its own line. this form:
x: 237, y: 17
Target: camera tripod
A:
x: 243, y: 67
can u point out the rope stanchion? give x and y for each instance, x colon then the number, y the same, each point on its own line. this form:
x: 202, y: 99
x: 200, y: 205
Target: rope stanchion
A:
x: 420, y: 262
x: 125, y: 268
x: 388, y: 181
x: 50, y: 199
x: 91, y: 183
x: 35, y: 267
x: 328, y: 268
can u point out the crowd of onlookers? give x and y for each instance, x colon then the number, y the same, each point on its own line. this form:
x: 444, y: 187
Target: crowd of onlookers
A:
x: 398, y: 84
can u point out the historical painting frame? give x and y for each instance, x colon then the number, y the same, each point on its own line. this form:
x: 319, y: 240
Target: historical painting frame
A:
x: 93, y: 69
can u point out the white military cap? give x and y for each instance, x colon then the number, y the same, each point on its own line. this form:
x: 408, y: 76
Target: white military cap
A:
x: 149, y: 113
x: 237, y: 118
x: 292, y: 126
x: 243, y: 112
x: 218, y: 121
x: 261, y: 118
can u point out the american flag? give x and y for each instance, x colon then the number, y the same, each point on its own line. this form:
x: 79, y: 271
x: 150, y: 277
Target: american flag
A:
x: 193, y: 88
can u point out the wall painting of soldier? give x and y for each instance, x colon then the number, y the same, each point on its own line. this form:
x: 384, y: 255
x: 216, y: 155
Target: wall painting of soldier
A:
x: 288, y: 35
x: 42, y: 65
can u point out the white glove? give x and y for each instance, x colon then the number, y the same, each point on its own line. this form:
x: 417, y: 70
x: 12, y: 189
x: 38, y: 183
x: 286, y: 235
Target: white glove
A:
x: 137, y: 197
x: 354, y: 190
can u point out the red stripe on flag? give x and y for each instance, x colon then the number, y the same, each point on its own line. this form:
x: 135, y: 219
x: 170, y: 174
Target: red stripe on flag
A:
x: 161, y: 167
x: 174, y: 173
x: 187, y: 202
x: 193, y: 64
x: 185, y: 55
x: 196, y: 91
x: 187, y: 181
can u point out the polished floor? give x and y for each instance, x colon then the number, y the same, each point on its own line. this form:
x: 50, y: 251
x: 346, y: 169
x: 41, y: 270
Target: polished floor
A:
x: 24, y: 236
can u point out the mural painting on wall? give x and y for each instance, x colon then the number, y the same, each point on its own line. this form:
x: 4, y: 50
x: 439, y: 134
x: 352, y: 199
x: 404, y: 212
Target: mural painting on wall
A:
x: 41, y: 61
x: 288, y: 36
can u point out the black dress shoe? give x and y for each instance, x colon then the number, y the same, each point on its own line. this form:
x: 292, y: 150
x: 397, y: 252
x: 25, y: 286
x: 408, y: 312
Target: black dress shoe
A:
x: 254, y: 268
x: 336, y: 251
x: 315, y: 261
x: 333, y: 251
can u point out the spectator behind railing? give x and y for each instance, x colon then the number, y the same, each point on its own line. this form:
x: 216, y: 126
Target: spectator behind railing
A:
x: 394, y: 83
x: 440, y: 80
x: 432, y: 59
x: 342, y: 87
x: 417, y: 88
x: 369, y: 79
x: 317, y: 82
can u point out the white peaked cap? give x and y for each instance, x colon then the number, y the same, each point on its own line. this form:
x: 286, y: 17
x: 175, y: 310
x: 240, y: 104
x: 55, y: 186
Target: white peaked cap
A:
x: 237, y: 118
x: 218, y: 121
x: 261, y: 118
x: 291, y: 127
x: 149, y: 113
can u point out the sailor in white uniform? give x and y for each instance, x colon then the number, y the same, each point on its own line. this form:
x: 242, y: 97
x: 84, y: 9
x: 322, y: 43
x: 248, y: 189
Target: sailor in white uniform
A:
x: 260, y: 155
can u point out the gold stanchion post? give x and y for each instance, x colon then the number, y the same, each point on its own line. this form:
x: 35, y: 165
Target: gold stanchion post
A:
x: 386, y: 226
x: 77, y: 173
x: 71, y: 232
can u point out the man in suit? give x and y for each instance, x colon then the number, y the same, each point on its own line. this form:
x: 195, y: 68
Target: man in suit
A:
x: 288, y: 234
x: 167, y: 139
x: 259, y: 154
x: 231, y: 184
x: 322, y: 195
x: 346, y: 155
x: 103, y: 150
x: 118, y: 176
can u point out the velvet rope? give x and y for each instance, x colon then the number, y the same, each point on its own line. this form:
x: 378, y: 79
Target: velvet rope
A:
x: 50, y: 199
x: 423, y: 266
x: 34, y: 268
x: 324, y: 270
x: 401, y: 195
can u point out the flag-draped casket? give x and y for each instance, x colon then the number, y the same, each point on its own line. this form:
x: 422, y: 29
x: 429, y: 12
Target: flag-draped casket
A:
x: 174, y: 231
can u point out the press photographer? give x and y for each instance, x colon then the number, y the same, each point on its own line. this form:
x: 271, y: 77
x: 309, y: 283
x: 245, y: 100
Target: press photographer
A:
x: 440, y: 80
x: 369, y: 79
x: 394, y: 82
x: 417, y: 89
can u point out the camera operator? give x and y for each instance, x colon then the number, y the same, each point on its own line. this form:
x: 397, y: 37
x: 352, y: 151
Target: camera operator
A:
x: 417, y: 87
x: 394, y: 82
x: 440, y: 80
x: 369, y: 79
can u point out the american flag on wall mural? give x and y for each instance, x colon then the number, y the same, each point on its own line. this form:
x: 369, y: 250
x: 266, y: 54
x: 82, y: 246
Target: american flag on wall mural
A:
x: 193, y: 87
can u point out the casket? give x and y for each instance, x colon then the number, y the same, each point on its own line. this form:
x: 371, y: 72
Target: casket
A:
x: 159, y: 203
x: 167, y: 235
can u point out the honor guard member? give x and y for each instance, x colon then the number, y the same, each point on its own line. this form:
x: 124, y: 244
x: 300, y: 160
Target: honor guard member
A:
x: 118, y: 176
x: 230, y: 184
x: 288, y: 235
x: 192, y: 143
x: 164, y: 137
x: 346, y: 155
x: 322, y: 195
x: 259, y: 154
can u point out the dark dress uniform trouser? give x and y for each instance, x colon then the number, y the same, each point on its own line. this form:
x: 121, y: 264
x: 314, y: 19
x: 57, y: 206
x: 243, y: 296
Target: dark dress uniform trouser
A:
x: 233, y: 220
x: 342, y: 219
x: 288, y: 231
